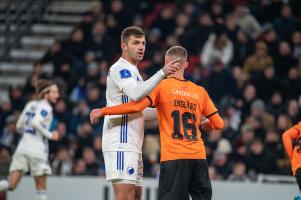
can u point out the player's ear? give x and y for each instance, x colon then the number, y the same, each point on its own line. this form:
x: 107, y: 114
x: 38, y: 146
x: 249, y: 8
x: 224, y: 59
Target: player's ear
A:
x: 186, y: 64
x: 123, y: 46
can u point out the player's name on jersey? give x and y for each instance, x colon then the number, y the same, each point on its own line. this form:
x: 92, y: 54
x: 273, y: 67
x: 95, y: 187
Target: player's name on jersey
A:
x: 185, y: 104
x: 184, y: 93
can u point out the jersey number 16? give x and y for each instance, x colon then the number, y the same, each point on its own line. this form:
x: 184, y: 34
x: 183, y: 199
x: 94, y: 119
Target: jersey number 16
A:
x: 184, y: 120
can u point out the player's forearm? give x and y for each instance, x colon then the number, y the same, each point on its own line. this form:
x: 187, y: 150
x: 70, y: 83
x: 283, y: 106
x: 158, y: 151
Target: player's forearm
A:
x: 287, y: 139
x: 127, y: 108
x: 216, y: 122
x: 20, y: 123
x: 143, y: 89
x: 36, y: 124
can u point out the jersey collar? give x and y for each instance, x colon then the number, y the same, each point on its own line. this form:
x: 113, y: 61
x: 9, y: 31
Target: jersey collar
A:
x: 127, y: 62
x: 179, y: 79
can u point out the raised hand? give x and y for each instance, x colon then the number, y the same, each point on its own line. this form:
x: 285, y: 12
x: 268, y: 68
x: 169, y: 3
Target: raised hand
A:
x: 171, y: 67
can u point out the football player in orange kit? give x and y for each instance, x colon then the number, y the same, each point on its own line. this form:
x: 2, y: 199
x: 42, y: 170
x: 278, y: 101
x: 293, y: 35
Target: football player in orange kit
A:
x: 292, y: 144
x: 181, y: 105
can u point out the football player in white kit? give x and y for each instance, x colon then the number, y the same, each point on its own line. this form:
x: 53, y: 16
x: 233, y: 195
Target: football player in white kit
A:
x: 123, y: 135
x: 32, y: 151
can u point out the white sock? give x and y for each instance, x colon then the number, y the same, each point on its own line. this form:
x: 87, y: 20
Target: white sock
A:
x: 41, y: 195
x: 4, y: 185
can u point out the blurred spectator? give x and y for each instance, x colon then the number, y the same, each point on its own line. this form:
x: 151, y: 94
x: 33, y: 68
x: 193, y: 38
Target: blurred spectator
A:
x: 258, y: 110
x: 285, y: 20
x: 259, y: 160
x: 80, y: 114
x: 271, y: 39
x: 243, y: 47
x: 90, y: 160
x: 293, y: 111
x: 218, y: 46
x: 79, y: 169
x: 247, y: 22
x: 275, y: 105
x: 284, y: 60
x: 296, y: 40
x: 222, y: 164
x: 264, y: 82
x: 9, y: 136
x: 291, y: 86
x: 16, y: 97
x: 238, y: 172
x: 62, y: 164
x: 165, y: 21
x: 221, y: 83
x: 283, y: 123
x: 213, y: 173
x: 258, y: 61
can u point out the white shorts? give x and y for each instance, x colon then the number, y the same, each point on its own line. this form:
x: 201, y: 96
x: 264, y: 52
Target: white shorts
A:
x: 25, y: 163
x: 124, y: 167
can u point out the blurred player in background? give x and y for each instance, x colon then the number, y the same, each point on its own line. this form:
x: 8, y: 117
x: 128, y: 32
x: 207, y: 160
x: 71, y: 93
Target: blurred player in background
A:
x: 292, y: 144
x: 123, y: 135
x: 181, y: 105
x: 32, y: 151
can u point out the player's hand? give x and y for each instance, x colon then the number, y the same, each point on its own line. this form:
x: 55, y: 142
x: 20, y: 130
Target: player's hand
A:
x: 55, y: 136
x: 205, y: 125
x: 94, y: 114
x: 171, y: 67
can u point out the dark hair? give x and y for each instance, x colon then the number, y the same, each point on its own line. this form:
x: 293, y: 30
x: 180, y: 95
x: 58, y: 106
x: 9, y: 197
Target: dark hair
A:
x: 131, y: 31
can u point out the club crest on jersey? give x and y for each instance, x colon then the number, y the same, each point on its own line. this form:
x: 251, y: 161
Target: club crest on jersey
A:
x: 130, y: 170
x: 44, y: 113
x: 124, y: 73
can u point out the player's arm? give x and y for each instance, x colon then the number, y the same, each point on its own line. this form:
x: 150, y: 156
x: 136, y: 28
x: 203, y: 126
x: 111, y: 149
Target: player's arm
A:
x: 38, y: 125
x: 288, y: 137
x: 132, y: 107
x: 214, y: 120
x: 20, y: 122
x: 138, y: 91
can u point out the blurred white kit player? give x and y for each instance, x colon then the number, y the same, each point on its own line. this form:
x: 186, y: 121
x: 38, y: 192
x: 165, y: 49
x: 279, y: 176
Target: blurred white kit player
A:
x: 32, y: 151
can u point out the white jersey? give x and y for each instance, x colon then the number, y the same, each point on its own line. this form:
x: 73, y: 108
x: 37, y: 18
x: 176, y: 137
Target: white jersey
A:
x: 34, y: 143
x: 122, y: 132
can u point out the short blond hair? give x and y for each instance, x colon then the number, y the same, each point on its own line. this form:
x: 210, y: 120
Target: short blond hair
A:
x: 178, y: 52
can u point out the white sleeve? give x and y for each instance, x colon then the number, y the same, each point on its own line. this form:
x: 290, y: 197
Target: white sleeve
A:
x: 20, y: 122
x: 127, y: 83
x: 150, y: 114
x: 38, y: 120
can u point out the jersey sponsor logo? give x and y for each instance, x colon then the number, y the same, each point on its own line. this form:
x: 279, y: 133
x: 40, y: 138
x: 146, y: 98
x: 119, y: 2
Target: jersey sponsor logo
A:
x: 44, y: 113
x: 130, y: 170
x: 124, y: 73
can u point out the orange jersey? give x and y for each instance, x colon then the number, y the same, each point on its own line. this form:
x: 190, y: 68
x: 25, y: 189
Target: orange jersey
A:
x: 292, y: 144
x: 181, y: 105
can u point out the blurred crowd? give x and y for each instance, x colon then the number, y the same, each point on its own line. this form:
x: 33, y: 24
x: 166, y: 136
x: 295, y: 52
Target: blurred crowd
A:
x: 247, y: 54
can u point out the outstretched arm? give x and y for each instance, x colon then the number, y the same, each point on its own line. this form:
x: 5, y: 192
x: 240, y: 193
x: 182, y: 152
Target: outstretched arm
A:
x: 287, y: 139
x: 132, y: 107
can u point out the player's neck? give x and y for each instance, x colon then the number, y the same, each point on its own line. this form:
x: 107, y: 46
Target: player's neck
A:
x: 129, y: 59
x: 178, y: 75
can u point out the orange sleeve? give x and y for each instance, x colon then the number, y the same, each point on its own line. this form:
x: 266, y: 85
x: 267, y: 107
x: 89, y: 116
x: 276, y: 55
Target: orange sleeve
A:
x: 209, y: 108
x: 216, y: 122
x: 154, y: 95
x: 132, y: 107
x: 288, y: 137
